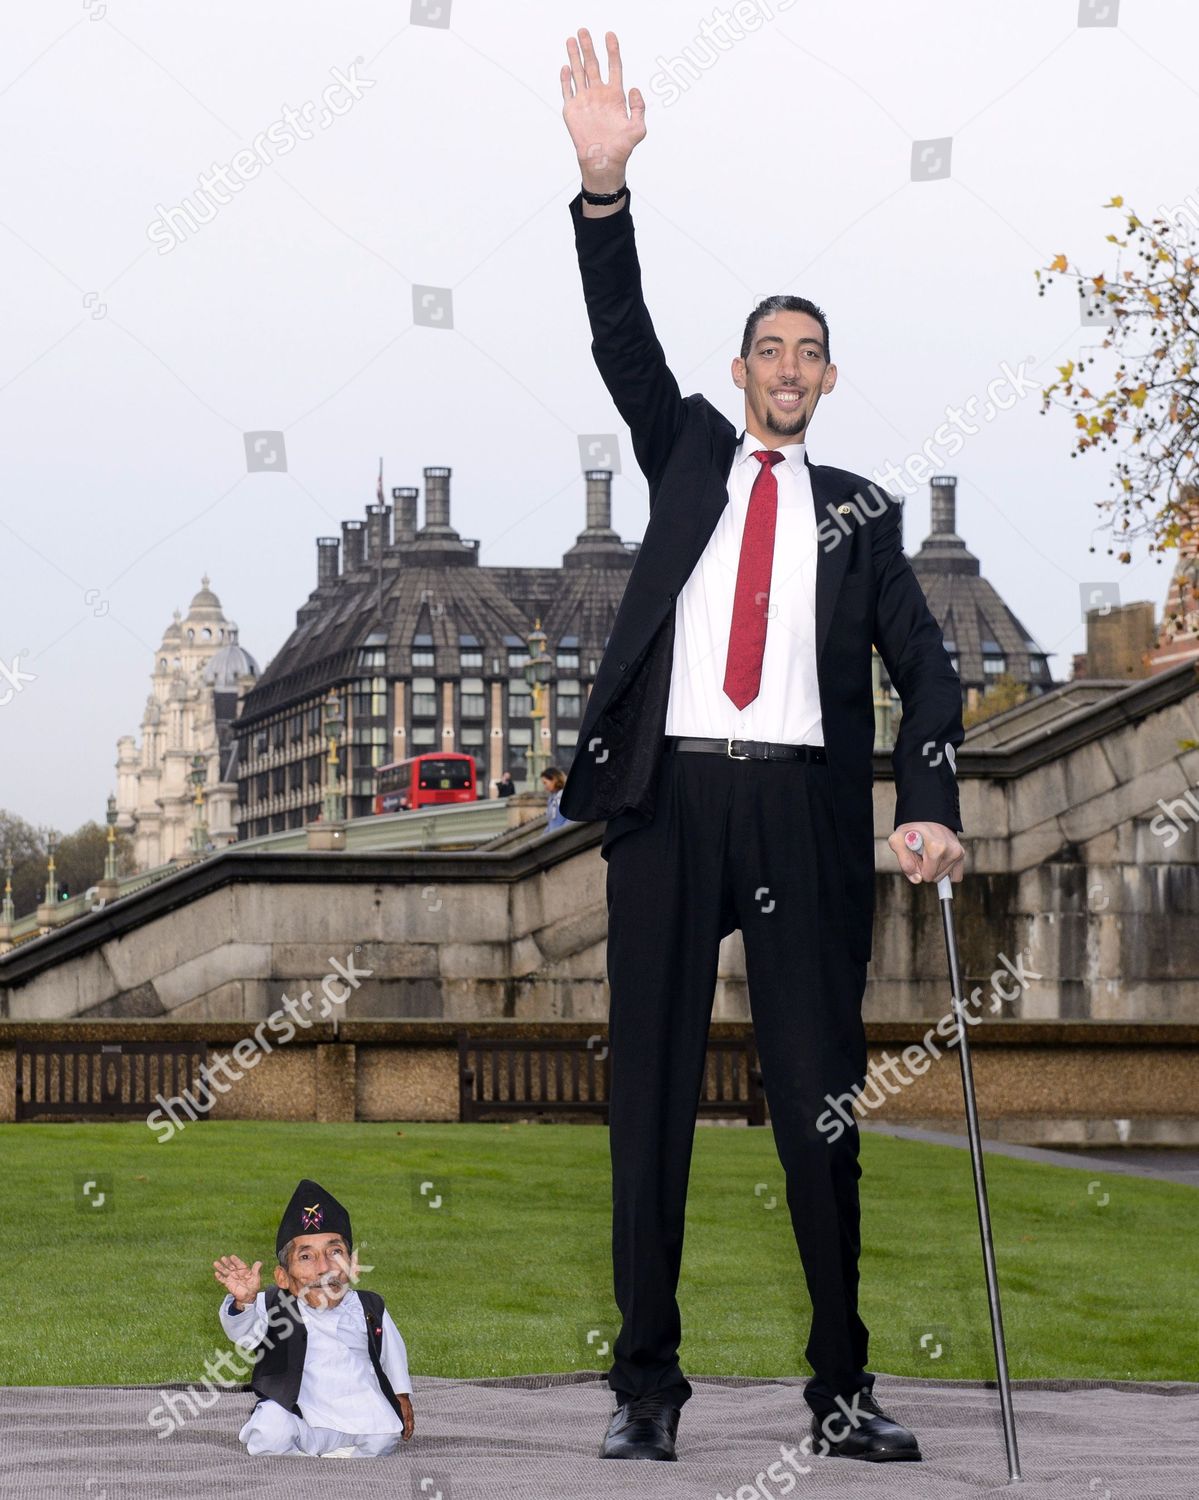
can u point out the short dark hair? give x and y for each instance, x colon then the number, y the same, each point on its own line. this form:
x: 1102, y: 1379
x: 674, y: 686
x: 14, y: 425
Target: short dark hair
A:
x: 777, y: 304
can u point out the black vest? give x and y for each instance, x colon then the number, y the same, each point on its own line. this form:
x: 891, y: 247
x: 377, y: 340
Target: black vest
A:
x: 280, y: 1357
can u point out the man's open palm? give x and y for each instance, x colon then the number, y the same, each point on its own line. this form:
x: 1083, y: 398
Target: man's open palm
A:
x: 603, y: 125
x: 245, y: 1282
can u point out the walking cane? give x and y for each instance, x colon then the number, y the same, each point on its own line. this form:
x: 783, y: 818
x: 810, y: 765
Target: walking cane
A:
x: 915, y: 843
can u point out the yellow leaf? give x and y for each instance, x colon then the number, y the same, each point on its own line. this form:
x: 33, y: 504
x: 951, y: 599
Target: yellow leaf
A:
x: 1067, y: 369
x: 1059, y: 263
x: 1116, y: 202
x: 1138, y: 396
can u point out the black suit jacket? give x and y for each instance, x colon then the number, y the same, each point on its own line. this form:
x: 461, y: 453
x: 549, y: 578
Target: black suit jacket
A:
x: 866, y: 593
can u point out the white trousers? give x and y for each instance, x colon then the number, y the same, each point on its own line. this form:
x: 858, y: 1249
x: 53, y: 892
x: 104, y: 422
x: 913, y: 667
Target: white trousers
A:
x: 271, y: 1429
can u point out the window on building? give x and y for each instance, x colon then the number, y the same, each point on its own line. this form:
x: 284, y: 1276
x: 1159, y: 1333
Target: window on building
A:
x: 312, y: 721
x: 277, y: 734
x: 570, y: 699
x: 472, y: 742
x: 370, y: 698
x: 520, y: 700
x: 295, y: 727
x: 424, y: 698
x: 568, y: 653
x: 1036, y: 666
x: 314, y: 764
x: 470, y: 652
x: 473, y: 699
x: 372, y: 654
x: 518, y: 652
x: 520, y: 742
x: 422, y: 651
x: 565, y: 748
x: 993, y: 666
x: 278, y: 776
x: 423, y: 737
x: 262, y: 786
x: 260, y: 742
x: 206, y: 634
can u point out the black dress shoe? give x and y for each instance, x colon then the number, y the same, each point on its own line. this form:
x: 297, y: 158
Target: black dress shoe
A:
x: 865, y: 1431
x: 642, y: 1428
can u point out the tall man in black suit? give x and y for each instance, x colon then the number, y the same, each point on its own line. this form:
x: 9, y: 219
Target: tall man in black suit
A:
x: 728, y: 742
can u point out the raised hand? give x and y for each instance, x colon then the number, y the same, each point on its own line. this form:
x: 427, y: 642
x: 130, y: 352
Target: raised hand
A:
x: 604, y: 126
x: 245, y: 1282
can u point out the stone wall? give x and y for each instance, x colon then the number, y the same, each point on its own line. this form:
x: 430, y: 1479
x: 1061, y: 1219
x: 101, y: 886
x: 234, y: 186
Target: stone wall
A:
x: 1045, y: 1082
x: 1073, y: 883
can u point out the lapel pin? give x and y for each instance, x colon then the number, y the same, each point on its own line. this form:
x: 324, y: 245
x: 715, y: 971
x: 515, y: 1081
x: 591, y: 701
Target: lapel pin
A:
x: 844, y: 509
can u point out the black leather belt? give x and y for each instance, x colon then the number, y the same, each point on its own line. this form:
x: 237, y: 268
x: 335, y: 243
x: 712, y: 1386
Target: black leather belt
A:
x: 750, y: 749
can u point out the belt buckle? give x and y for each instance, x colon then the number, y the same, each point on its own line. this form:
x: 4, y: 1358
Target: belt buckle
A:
x: 729, y: 752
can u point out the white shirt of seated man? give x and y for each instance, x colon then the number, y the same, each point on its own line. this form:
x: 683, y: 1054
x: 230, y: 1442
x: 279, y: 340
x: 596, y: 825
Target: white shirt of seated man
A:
x: 345, y: 1414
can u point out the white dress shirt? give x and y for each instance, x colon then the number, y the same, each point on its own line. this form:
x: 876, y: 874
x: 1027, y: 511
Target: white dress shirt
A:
x: 787, y: 707
x: 338, y: 1389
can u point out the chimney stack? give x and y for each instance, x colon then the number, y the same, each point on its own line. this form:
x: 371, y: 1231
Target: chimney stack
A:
x: 378, y: 530
x: 405, y: 503
x: 599, y: 500
x: 437, y: 504
x: 327, y: 551
x: 943, y: 505
x: 353, y: 540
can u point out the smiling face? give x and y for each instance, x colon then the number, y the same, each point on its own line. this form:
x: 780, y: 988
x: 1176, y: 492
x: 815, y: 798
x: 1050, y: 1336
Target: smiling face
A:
x: 783, y: 376
x: 318, y: 1269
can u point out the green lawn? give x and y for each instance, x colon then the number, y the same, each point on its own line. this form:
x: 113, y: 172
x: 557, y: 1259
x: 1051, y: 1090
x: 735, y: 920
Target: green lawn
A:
x: 512, y: 1271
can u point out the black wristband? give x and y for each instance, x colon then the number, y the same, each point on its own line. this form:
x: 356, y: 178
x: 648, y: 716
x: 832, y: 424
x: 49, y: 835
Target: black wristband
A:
x: 602, y: 200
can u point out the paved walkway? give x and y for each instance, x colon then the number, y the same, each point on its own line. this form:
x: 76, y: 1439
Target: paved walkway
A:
x: 1167, y: 1164
x: 537, y: 1438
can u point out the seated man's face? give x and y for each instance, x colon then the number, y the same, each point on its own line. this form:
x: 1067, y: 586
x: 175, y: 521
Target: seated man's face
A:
x: 318, y: 1269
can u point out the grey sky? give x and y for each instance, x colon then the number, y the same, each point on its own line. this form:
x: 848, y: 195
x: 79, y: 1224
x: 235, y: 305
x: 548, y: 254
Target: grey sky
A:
x: 128, y: 377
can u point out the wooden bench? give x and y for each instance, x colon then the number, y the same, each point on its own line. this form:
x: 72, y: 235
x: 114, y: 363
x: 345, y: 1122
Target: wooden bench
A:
x: 88, y: 1079
x: 527, y: 1076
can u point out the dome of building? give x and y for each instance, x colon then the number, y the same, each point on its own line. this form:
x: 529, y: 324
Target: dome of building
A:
x: 206, y: 606
x: 228, y: 664
x: 173, y: 634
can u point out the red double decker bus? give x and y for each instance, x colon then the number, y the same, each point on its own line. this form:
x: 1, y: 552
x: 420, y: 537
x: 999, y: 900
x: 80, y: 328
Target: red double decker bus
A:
x: 425, y: 781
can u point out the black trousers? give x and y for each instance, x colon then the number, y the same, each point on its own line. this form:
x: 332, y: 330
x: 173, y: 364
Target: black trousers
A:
x: 749, y: 844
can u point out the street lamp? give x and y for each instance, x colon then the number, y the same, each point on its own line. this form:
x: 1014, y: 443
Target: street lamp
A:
x: 334, y: 800
x: 538, y: 670
x: 199, y: 775
x: 51, y: 877
x: 7, y: 913
x: 110, y: 854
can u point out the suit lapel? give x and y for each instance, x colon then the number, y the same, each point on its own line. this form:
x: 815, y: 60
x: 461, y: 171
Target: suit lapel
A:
x: 831, y: 561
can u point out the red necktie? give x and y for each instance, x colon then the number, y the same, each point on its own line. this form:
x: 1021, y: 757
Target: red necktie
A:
x: 747, y: 636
